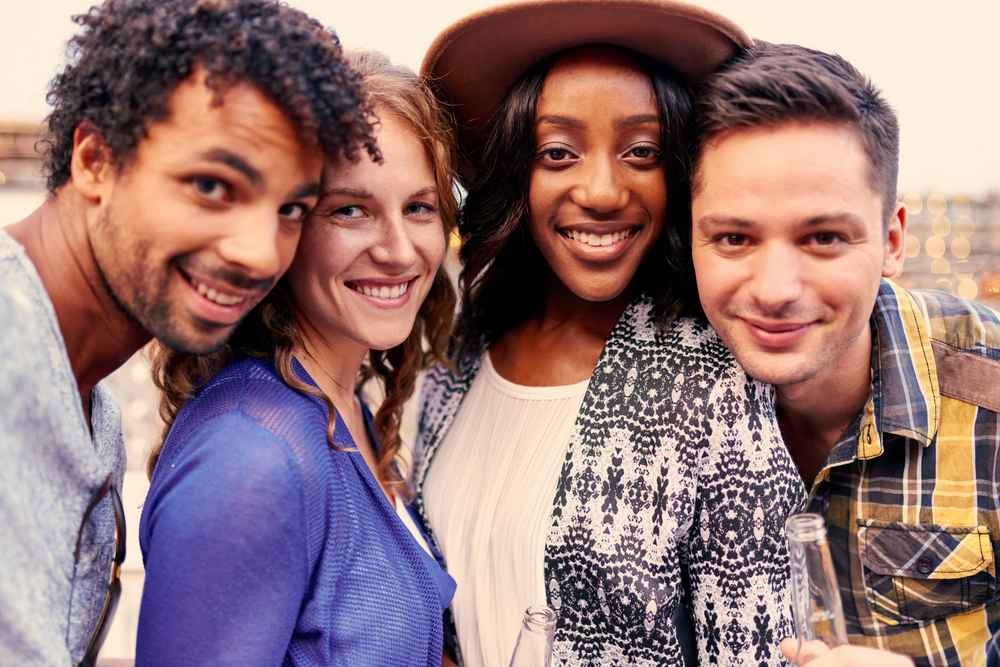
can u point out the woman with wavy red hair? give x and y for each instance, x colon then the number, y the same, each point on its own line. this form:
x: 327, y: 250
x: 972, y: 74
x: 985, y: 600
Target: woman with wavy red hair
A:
x: 274, y: 531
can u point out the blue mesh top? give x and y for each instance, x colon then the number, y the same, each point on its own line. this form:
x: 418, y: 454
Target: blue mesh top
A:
x: 263, y: 546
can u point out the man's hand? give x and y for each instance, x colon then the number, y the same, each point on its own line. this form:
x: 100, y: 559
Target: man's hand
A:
x: 817, y: 654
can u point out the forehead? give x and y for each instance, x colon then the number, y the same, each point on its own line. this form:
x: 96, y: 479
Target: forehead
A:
x: 240, y: 117
x: 793, y: 170
x: 405, y: 162
x: 606, y: 74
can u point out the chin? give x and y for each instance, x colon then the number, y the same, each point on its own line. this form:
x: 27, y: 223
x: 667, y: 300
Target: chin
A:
x: 386, y: 341
x: 189, y: 337
x: 193, y: 344
x: 597, y: 294
x: 779, y: 372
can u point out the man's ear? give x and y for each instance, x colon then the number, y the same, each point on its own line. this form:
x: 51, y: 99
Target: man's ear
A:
x: 895, y: 244
x: 91, y: 166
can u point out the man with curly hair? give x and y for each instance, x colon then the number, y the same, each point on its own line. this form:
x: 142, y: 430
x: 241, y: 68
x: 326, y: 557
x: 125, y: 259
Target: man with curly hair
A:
x: 184, y: 152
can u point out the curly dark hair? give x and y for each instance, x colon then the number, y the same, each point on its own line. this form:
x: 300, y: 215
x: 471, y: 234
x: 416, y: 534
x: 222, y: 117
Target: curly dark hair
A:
x: 499, y: 258
x: 131, y: 54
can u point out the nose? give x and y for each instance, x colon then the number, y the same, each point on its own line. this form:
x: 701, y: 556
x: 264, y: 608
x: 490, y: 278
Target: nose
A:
x: 394, y: 248
x: 600, y: 190
x: 258, y: 244
x: 777, y: 280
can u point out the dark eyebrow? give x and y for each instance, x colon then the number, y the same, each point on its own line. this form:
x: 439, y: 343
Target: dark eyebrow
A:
x: 840, y: 216
x: 235, y: 162
x: 561, y: 121
x: 307, y: 190
x: 354, y: 193
x: 723, y: 221
x: 638, y: 119
x: 430, y: 190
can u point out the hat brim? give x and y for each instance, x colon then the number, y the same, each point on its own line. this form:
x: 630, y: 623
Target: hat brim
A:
x: 473, y: 63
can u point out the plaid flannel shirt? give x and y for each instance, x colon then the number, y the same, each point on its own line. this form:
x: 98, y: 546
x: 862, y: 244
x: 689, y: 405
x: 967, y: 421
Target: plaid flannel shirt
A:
x: 910, y: 492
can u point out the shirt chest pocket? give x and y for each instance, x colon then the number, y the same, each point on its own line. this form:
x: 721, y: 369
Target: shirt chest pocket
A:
x: 918, y: 573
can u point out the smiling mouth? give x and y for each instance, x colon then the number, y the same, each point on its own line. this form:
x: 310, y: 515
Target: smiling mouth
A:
x: 218, y: 297
x: 382, y: 291
x: 598, y: 240
x: 778, y: 335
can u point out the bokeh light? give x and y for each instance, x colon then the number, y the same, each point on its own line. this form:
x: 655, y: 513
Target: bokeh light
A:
x: 967, y: 288
x: 935, y: 247
x: 961, y: 248
x: 941, y: 226
x: 940, y: 266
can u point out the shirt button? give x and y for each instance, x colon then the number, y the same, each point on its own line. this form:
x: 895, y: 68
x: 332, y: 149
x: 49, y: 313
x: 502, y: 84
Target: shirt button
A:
x: 924, y: 565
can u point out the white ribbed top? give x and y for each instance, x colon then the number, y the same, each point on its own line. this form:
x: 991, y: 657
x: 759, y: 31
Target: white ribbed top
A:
x: 489, y: 499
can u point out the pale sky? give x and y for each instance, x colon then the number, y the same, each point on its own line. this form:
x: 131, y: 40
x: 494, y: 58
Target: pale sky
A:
x: 933, y: 60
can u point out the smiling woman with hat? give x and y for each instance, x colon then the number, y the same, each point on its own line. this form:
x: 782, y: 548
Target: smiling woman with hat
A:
x: 589, y: 449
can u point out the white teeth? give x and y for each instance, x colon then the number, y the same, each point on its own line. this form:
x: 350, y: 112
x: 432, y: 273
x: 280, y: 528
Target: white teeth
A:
x: 597, y: 240
x: 382, y: 292
x: 216, y: 297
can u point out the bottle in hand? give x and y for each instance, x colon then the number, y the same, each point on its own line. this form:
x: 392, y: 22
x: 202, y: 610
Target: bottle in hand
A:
x: 815, y: 595
x: 534, y: 642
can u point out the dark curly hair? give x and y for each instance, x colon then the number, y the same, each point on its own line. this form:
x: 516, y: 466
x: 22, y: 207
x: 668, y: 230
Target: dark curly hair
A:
x: 131, y: 54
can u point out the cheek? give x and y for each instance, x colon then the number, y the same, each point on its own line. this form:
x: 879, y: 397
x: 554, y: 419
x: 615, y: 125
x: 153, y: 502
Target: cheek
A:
x: 716, y: 277
x: 319, y: 256
x: 655, y: 194
x: 288, y: 243
x: 431, y: 244
x: 542, y: 195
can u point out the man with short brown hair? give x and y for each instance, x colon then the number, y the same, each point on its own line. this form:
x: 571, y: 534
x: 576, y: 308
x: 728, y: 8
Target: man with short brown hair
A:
x: 888, y: 399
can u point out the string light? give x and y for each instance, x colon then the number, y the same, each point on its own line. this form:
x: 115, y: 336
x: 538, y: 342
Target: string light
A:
x: 940, y: 266
x: 941, y: 226
x: 967, y: 288
x: 961, y: 248
x: 935, y: 247
x: 914, y: 204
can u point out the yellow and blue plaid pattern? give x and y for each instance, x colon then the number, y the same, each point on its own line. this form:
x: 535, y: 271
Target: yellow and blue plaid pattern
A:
x: 911, y: 492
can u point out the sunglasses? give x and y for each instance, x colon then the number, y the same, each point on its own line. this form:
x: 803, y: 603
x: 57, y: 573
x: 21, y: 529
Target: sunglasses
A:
x: 114, y: 592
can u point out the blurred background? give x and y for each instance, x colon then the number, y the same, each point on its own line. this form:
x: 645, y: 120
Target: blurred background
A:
x: 934, y: 62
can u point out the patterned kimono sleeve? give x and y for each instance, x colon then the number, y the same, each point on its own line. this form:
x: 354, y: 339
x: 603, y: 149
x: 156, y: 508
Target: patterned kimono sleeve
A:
x: 438, y: 398
x: 738, y: 561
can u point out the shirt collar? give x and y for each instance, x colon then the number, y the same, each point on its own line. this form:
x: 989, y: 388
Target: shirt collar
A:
x: 905, y: 399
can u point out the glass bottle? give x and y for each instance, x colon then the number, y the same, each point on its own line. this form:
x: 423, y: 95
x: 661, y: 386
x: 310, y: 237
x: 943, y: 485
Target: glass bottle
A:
x: 815, y: 595
x: 534, y: 642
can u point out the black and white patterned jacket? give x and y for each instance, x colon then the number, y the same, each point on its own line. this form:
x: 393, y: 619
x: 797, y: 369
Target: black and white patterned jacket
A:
x: 670, y: 506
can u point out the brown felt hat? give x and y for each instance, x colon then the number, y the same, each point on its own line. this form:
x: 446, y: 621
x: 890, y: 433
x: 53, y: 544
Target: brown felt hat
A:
x: 474, y: 62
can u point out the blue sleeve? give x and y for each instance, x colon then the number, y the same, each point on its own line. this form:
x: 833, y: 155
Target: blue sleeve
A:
x: 223, y: 536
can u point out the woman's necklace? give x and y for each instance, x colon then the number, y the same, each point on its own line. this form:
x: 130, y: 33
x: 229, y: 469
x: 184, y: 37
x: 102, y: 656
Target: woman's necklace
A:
x: 353, y: 400
x: 362, y: 432
x: 323, y: 370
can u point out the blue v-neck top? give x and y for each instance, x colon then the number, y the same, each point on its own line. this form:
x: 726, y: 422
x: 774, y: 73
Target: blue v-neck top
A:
x: 264, y: 546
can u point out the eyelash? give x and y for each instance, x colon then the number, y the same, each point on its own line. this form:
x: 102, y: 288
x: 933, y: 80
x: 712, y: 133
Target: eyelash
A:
x: 304, y: 211
x: 424, y: 209
x: 547, y: 154
x: 742, y: 240
x: 197, y: 181
x: 653, y: 157
x: 567, y: 155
